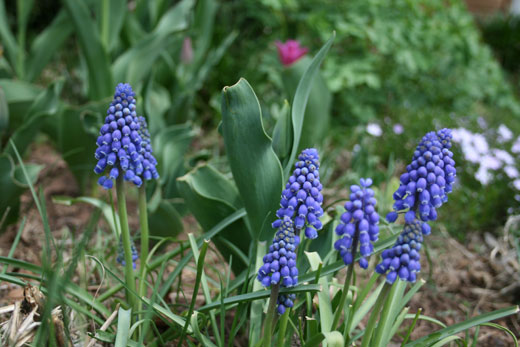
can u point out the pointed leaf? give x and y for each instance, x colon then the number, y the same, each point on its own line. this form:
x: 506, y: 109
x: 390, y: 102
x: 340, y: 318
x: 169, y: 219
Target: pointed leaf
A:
x: 256, y: 168
x: 301, y: 97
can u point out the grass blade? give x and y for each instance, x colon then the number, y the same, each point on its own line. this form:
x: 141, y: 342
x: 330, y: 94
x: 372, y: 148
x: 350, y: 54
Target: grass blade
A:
x: 457, y: 328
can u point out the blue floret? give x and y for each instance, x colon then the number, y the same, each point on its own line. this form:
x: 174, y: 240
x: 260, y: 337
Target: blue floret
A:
x: 403, y: 259
x: 124, y: 142
x: 280, y: 263
x: 359, y: 224
x: 302, y: 198
x: 427, y: 180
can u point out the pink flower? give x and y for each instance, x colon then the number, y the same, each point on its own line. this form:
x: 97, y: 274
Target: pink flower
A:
x: 290, y: 51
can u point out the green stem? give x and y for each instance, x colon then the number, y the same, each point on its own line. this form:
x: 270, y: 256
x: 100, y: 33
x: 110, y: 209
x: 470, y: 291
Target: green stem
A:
x: 283, y: 326
x: 375, y: 313
x: 268, y: 324
x: 125, y: 235
x: 143, y: 221
x: 346, y: 286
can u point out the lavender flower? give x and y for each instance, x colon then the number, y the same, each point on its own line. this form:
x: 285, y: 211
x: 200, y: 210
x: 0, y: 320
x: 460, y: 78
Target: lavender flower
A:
x: 121, y: 253
x: 301, y: 198
x: 359, y: 224
x: 403, y: 258
x: 280, y: 263
x: 124, y: 142
x: 427, y: 180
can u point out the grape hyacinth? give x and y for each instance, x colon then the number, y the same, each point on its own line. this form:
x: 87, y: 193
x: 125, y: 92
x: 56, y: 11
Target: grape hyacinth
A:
x: 280, y: 263
x: 403, y: 258
x: 302, y: 198
x: 427, y: 180
x: 124, y: 142
x: 121, y: 254
x: 359, y: 224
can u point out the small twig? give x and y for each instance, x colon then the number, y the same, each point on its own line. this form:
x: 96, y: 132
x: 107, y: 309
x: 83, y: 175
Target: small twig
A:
x: 105, y: 325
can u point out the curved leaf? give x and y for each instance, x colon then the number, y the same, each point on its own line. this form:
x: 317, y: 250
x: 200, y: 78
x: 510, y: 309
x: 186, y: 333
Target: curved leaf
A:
x: 211, y: 197
x: 255, y: 167
x: 301, y: 97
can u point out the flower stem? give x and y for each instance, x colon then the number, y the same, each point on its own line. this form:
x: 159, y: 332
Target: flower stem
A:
x: 143, y: 221
x: 369, y: 330
x: 268, y: 323
x: 343, y: 298
x: 346, y: 286
x: 125, y: 236
x: 283, y: 327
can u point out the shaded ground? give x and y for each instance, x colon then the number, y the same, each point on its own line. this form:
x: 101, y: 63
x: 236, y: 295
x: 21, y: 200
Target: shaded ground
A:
x: 462, y: 280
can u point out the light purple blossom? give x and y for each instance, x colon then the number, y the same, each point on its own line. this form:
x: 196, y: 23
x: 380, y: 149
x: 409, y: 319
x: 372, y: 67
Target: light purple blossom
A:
x: 504, y: 134
x: 511, y: 171
x: 374, y: 129
x: 398, y: 128
x: 516, y: 146
x: 516, y: 184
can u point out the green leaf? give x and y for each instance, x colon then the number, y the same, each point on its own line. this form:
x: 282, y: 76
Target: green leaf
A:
x: 19, y: 96
x: 317, y: 112
x: 46, y: 104
x: 4, y: 113
x: 123, y: 326
x: 137, y: 62
x: 47, y: 43
x: 211, y: 197
x: 282, y: 133
x: 457, y: 328
x: 301, y: 97
x: 262, y: 294
x: 112, y: 18
x: 12, y: 185
x: 326, y: 314
x: 170, y: 146
x: 23, y: 9
x: 255, y: 167
x: 100, y: 82
x: 255, y: 316
x: 8, y: 40
x: 165, y: 221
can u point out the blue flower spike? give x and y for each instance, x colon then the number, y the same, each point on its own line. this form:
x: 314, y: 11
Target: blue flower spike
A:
x: 121, y: 254
x: 427, y: 180
x: 280, y: 263
x: 403, y: 259
x: 124, y: 146
x: 358, y: 225
x: 302, y: 198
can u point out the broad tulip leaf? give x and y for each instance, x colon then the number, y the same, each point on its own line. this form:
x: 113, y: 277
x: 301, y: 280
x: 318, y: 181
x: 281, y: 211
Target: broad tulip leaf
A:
x: 211, y: 197
x: 254, y: 164
x: 165, y: 221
